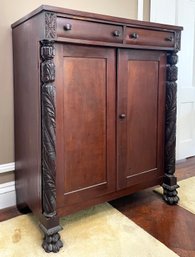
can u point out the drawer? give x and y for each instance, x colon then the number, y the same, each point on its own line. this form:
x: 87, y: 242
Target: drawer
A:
x: 79, y: 29
x: 149, y: 37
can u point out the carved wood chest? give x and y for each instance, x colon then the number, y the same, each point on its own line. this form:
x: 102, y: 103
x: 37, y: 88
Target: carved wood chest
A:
x: 95, y: 111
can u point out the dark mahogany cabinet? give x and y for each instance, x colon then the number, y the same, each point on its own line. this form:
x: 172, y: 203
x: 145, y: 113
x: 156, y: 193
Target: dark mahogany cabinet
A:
x: 95, y: 111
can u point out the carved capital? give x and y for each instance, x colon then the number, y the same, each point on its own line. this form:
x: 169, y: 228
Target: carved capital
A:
x: 47, y: 50
x: 172, y: 59
x: 50, y: 25
x: 48, y: 95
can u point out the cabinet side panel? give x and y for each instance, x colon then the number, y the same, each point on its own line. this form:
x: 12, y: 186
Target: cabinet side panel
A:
x: 27, y: 114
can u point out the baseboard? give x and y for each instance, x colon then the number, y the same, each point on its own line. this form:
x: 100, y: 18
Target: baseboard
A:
x: 7, y: 195
x: 7, y: 167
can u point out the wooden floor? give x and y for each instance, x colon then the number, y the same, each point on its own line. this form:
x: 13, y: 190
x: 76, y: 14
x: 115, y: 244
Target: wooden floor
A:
x: 172, y: 225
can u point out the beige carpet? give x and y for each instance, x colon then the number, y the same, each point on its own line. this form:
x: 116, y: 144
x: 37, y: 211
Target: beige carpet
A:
x: 186, y: 193
x: 100, y: 231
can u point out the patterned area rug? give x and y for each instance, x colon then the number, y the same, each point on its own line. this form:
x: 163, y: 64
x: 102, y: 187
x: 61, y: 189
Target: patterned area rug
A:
x: 186, y: 193
x: 101, y: 231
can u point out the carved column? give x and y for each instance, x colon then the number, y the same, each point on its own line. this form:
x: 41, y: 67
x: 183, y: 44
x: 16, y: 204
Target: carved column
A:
x: 170, y: 181
x: 52, y: 242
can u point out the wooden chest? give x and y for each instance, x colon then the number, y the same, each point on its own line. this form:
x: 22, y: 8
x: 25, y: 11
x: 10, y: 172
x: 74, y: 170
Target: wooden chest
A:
x: 95, y: 111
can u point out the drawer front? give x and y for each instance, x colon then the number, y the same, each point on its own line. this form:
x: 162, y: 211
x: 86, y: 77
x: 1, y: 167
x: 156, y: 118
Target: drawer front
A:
x: 86, y: 30
x: 149, y: 37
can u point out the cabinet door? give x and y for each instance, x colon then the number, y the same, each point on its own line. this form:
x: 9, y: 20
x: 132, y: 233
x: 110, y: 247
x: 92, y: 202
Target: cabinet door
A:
x: 86, y: 88
x: 140, y: 124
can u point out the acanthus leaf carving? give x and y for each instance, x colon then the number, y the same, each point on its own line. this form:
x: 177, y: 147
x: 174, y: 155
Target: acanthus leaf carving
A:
x: 48, y: 95
x: 47, y: 71
x: 170, y: 123
x: 177, y: 40
x: 170, y: 181
x: 50, y: 25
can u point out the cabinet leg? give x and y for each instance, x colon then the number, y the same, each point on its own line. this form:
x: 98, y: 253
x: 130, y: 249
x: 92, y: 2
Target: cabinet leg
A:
x: 170, y: 189
x: 51, y: 240
x: 170, y: 181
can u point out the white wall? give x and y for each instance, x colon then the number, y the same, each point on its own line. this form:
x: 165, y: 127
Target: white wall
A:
x: 182, y: 12
x: 163, y: 11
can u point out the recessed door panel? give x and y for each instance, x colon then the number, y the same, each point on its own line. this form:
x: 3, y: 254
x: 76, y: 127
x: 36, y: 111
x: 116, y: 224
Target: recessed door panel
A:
x: 142, y: 118
x: 141, y: 103
x: 85, y: 122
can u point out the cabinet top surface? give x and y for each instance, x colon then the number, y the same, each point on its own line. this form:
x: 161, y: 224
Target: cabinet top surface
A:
x: 100, y: 17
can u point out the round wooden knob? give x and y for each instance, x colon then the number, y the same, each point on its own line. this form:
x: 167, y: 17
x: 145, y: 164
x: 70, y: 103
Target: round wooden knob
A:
x: 116, y: 33
x: 170, y: 39
x: 68, y: 26
x: 134, y: 35
x: 122, y: 116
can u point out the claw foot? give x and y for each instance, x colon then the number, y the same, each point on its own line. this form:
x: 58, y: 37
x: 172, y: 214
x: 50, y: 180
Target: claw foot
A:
x: 52, y: 243
x: 170, y: 194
